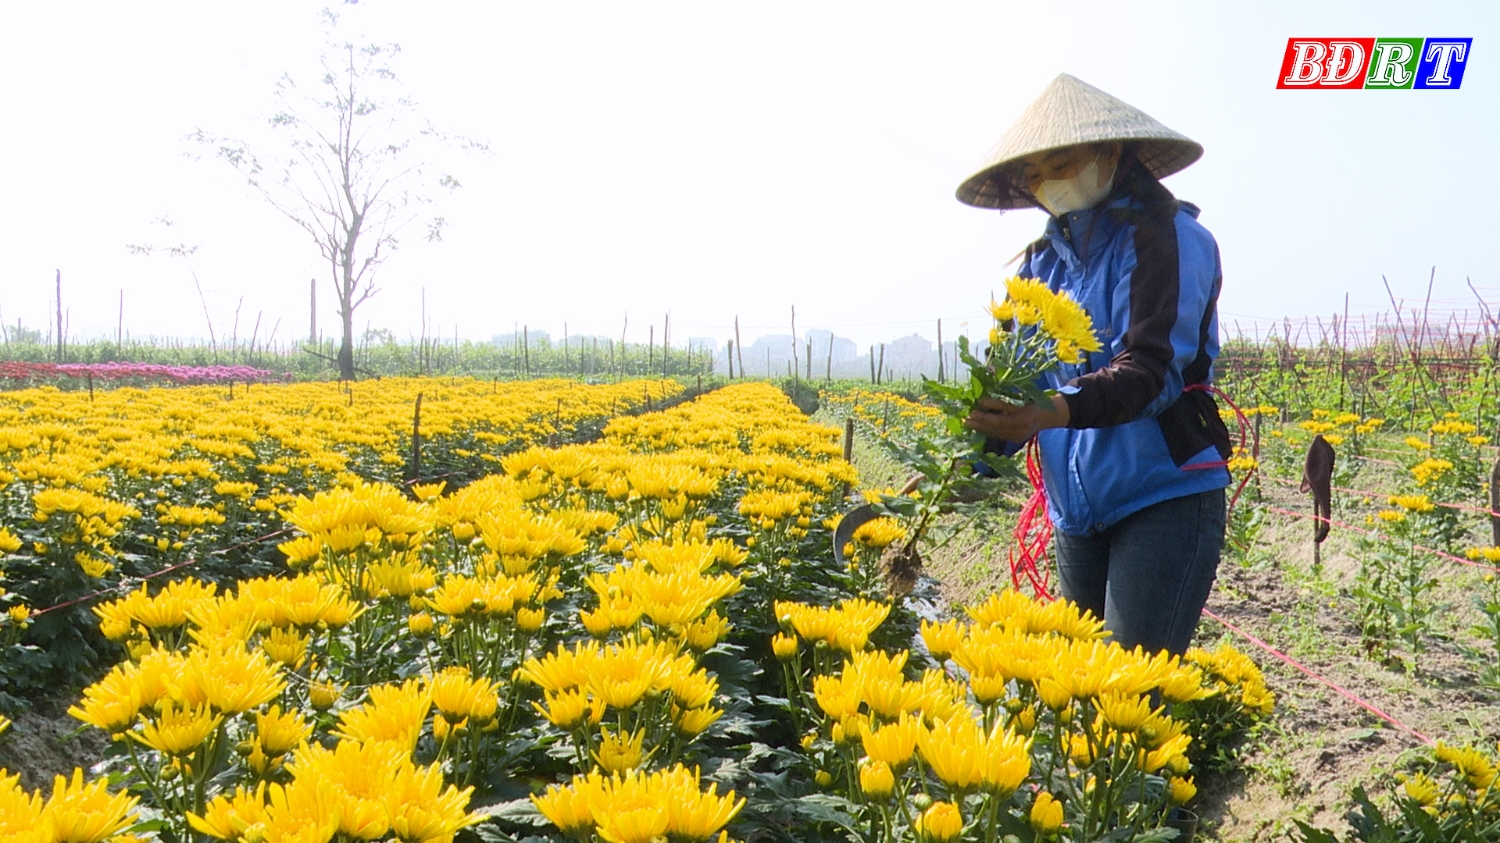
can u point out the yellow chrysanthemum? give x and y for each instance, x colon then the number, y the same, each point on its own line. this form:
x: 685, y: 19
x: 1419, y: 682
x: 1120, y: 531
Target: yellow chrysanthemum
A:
x: 941, y: 822
x: 1181, y: 791
x: 176, y: 731
x: 876, y: 779
x: 459, y: 696
x: 1046, y: 814
x: 618, y: 752
x: 280, y: 733
x: 895, y: 742
x: 1412, y: 503
x: 86, y: 813
x: 226, y: 817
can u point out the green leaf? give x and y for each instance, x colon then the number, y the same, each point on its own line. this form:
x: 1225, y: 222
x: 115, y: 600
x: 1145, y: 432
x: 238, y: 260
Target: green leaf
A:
x: 516, y: 810
x: 827, y: 808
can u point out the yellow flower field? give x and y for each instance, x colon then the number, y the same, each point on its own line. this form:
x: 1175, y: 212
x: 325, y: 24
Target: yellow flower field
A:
x: 635, y: 638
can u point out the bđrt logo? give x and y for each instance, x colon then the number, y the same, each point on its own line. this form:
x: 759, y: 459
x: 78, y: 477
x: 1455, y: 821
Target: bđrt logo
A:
x: 1374, y: 63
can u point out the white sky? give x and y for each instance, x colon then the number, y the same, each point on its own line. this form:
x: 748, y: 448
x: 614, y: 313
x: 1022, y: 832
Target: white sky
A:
x: 715, y: 159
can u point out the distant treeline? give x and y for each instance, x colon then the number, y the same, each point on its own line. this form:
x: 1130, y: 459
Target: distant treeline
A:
x: 379, y: 354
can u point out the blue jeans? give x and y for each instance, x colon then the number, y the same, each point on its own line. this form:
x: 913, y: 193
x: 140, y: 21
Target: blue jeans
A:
x: 1149, y: 575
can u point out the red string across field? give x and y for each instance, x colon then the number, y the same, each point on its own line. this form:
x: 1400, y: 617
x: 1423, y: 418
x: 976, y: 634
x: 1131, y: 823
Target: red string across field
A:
x: 1314, y: 675
x: 1368, y: 494
x: 1345, y: 526
x: 1329, y: 683
x: 132, y: 582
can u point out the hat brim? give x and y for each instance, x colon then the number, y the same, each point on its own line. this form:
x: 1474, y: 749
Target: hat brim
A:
x: 990, y: 187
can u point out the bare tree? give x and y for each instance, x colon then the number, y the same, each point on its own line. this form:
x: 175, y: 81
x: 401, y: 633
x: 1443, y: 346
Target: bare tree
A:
x: 351, y: 166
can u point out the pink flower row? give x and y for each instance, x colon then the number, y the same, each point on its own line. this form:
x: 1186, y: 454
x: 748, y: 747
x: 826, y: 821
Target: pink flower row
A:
x: 120, y: 371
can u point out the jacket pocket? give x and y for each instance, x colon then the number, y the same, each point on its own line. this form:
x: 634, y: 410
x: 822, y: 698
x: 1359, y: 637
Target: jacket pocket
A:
x: 1191, y: 424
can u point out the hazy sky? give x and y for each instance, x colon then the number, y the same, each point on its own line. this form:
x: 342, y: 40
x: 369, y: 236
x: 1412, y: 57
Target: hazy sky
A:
x: 714, y: 160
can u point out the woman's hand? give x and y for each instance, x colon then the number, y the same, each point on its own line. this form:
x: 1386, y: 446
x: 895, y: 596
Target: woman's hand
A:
x: 1002, y: 420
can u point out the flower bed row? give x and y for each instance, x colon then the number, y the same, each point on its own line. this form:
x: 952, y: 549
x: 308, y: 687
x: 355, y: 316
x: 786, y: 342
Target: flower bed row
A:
x: 96, y: 492
x: 629, y: 640
x: 106, y: 372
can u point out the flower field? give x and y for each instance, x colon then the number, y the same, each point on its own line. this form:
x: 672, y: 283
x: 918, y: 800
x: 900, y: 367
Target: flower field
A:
x: 434, y: 609
x: 629, y: 639
x: 99, y: 489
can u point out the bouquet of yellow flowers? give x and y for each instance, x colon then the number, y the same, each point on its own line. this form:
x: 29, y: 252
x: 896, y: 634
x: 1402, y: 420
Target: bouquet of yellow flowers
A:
x: 1035, y: 330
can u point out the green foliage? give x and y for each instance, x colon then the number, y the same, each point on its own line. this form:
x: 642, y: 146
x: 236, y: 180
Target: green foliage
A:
x: 379, y: 354
x: 1406, y: 822
x: 1396, y: 582
x: 1247, y: 521
x: 1486, y: 658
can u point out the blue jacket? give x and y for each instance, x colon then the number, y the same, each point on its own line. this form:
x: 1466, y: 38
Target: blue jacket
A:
x: 1134, y: 437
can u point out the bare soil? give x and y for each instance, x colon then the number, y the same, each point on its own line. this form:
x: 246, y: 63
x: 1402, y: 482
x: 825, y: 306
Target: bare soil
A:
x: 46, y: 741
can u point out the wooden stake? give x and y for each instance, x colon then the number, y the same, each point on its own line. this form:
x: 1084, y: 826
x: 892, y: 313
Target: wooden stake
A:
x: 940, y: 351
x: 59, y: 317
x: 739, y: 346
x: 1495, y: 504
x: 1343, y: 347
x: 416, y: 438
x: 848, y: 446
x: 793, y: 373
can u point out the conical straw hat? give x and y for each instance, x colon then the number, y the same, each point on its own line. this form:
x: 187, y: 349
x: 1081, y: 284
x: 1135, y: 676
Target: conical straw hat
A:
x: 1070, y: 112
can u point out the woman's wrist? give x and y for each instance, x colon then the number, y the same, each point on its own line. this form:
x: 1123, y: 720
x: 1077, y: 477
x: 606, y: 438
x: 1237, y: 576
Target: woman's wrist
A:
x: 1061, y: 413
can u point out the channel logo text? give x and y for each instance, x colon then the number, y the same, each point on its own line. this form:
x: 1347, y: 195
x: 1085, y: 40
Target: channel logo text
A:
x: 1374, y: 63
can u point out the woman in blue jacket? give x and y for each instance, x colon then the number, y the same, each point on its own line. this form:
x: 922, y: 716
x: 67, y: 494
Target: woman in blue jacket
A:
x: 1132, y: 446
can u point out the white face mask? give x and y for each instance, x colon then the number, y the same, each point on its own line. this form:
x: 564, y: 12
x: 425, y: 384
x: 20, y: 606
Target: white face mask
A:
x: 1062, y: 196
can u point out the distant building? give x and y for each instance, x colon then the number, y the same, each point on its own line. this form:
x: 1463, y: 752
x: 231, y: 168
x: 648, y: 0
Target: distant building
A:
x: 534, y: 335
x: 843, y: 350
x: 769, y: 356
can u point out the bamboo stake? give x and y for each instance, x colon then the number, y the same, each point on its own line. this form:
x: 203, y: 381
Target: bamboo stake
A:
x: 1495, y: 504
x: 60, y: 318
x: 940, y: 350
x: 416, y: 437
